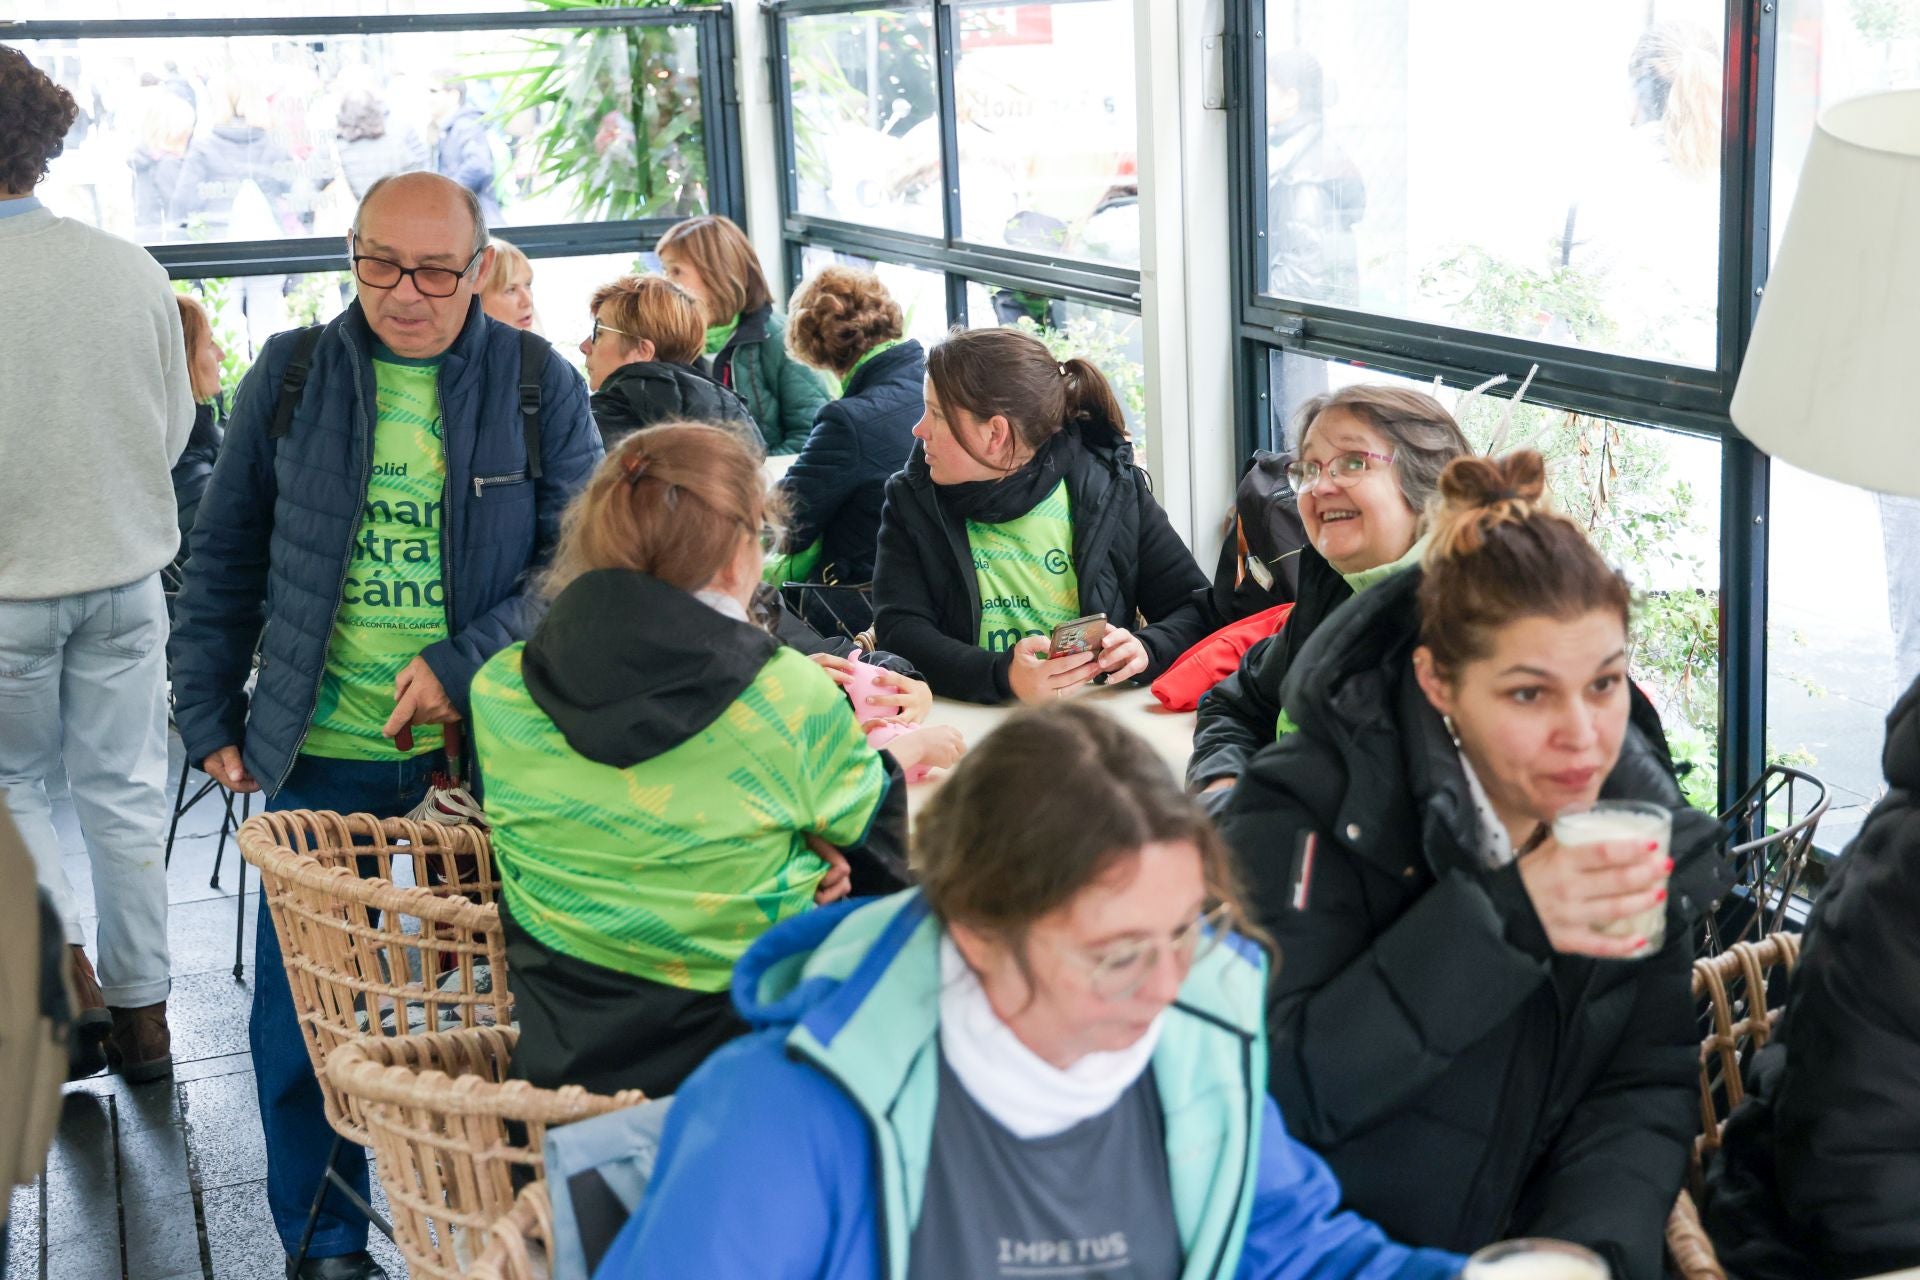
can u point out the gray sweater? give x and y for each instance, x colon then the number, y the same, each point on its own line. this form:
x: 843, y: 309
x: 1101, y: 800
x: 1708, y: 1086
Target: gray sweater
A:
x: 94, y: 408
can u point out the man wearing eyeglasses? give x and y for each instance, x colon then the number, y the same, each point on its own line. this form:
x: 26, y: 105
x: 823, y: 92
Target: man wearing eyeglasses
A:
x: 383, y: 519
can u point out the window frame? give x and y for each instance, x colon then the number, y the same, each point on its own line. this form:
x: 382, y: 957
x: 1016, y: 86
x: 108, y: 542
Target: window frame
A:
x: 951, y: 253
x: 719, y: 108
x: 1628, y: 388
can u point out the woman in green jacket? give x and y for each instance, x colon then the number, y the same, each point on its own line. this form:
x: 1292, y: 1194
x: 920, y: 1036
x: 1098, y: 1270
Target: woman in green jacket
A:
x: 664, y: 779
x: 712, y: 259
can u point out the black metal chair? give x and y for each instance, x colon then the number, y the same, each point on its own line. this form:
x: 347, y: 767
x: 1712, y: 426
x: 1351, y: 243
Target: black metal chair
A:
x: 172, y: 577
x: 1771, y: 829
x: 229, y: 824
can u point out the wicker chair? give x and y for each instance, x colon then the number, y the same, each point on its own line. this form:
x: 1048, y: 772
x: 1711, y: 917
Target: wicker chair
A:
x: 368, y: 957
x: 1734, y: 985
x: 1771, y: 829
x: 519, y: 1245
x: 452, y: 1140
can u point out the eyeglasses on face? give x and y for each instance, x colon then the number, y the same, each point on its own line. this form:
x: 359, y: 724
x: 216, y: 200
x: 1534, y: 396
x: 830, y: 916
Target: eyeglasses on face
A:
x: 1119, y: 971
x: 599, y: 327
x: 1345, y: 468
x: 432, y: 282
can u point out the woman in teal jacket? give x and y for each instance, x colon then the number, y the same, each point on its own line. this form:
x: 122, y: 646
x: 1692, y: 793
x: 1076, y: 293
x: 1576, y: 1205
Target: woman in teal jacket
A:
x: 713, y: 260
x: 1049, y: 1059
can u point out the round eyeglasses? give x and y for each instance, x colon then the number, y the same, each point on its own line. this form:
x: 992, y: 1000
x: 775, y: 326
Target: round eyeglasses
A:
x: 1119, y: 971
x: 1345, y: 469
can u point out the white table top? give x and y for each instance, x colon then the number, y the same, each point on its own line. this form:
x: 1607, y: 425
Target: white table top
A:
x: 1169, y: 732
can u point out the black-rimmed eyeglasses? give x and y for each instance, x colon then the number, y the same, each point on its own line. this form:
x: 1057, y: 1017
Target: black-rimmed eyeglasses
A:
x: 432, y: 282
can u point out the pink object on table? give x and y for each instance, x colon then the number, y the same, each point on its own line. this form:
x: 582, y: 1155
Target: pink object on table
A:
x: 881, y: 734
x: 866, y: 684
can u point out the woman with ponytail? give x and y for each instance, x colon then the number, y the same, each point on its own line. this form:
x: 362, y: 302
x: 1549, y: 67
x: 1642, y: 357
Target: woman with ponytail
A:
x: 1450, y: 1026
x: 1021, y: 509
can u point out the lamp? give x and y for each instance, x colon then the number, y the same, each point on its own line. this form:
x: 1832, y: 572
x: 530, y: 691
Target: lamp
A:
x: 1829, y: 381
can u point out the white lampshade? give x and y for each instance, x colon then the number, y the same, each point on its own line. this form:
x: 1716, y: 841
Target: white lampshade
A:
x: 1831, y: 380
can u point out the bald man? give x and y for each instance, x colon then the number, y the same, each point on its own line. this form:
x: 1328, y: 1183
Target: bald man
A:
x: 381, y: 519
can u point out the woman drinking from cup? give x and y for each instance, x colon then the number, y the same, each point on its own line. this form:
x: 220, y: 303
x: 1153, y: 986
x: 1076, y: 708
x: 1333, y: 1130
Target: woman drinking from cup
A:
x: 1476, y: 1023
x: 1045, y: 1061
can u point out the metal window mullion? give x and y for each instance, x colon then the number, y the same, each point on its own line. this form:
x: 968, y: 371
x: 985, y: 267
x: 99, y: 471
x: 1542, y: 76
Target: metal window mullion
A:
x: 352, y: 24
x: 946, y: 46
x: 1745, y: 518
x: 720, y: 116
x: 780, y: 68
x: 194, y: 260
x: 1246, y: 91
x: 956, y: 300
x: 830, y: 8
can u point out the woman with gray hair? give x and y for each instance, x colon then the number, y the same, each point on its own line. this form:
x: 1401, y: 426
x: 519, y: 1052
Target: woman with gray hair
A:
x: 369, y: 147
x: 1367, y: 460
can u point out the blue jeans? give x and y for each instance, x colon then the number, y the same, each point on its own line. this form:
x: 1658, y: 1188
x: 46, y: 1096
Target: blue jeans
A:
x: 83, y: 677
x: 291, y: 1112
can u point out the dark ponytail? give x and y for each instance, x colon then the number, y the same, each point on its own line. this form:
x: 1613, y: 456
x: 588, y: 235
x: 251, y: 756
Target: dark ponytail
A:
x: 1091, y: 403
x: 1011, y: 373
x: 1497, y: 554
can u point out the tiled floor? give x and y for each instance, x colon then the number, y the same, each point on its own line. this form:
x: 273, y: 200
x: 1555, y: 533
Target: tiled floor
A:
x: 166, y: 1181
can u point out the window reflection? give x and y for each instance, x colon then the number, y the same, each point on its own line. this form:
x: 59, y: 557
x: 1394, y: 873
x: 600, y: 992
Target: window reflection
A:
x: 1424, y: 161
x: 261, y: 138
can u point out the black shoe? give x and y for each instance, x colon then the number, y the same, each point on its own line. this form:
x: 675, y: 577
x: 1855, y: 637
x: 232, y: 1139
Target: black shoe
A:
x: 347, y: 1266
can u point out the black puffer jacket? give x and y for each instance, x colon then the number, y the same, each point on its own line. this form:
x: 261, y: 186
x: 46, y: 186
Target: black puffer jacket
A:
x: 648, y: 392
x: 1465, y: 1082
x: 1237, y: 717
x: 838, y: 483
x: 195, y: 466
x: 1820, y: 1176
x: 1126, y: 558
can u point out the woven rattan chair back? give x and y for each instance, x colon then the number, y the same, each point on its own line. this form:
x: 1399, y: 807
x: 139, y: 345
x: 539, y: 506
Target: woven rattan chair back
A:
x: 369, y: 957
x: 519, y: 1245
x: 1734, y: 987
x: 453, y: 1138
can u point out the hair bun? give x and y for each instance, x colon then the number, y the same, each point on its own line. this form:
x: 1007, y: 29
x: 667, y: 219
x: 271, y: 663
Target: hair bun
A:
x: 1477, y: 495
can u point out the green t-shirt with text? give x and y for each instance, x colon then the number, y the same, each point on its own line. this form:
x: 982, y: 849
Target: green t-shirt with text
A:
x: 1024, y: 569
x: 393, y: 602
x: 669, y: 869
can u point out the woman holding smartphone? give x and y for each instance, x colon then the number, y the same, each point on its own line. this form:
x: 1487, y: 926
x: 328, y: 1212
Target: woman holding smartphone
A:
x: 1019, y: 511
x: 1478, y: 1025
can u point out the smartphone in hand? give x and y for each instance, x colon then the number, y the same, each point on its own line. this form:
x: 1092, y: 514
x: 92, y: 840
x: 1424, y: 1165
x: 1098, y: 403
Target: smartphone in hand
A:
x: 1078, y: 636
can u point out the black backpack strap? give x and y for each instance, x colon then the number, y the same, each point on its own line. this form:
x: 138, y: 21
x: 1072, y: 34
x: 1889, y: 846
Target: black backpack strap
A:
x: 533, y: 360
x: 294, y: 380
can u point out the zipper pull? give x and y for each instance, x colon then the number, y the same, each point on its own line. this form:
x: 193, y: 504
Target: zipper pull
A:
x: 476, y: 487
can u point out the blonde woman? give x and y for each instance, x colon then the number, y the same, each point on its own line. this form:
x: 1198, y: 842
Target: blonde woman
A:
x: 506, y: 293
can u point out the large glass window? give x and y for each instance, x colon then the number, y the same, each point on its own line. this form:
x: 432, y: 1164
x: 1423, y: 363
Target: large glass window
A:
x: 1423, y: 160
x: 246, y: 138
x: 1649, y: 498
x: 1843, y: 634
x: 1843, y: 600
x: 866, y: 132
x: 1047, y: 130
x: 1826, y: 52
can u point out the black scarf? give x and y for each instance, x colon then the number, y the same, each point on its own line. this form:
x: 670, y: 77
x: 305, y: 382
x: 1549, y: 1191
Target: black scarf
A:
x: 1015, y: 494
